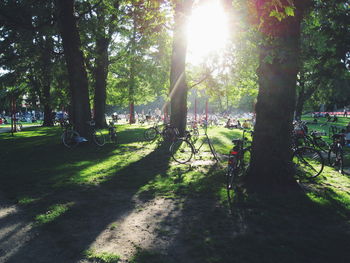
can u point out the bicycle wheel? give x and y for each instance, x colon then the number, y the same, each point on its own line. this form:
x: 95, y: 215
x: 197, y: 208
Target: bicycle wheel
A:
x: 150, y: 134
x: 335, y: 158
x: 231, y: 177
x: 98, y: 138
x: 70, y: 138
x: 213, y: 152
x: 308, y: 162
x: 182, y: 151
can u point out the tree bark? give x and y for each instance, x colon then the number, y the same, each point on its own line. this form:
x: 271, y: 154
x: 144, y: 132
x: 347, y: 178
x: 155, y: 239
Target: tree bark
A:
x: 132, y: 83
x: 271, y: 162
x: 47, y: 79
x: 101, y: 69
x: 101, y: 72
x: 75, y: 64
x: 178, y: 85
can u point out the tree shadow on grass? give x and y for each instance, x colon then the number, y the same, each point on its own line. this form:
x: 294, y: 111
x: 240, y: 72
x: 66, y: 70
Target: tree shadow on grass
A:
x: 288, y: 227
x: 93, y: 209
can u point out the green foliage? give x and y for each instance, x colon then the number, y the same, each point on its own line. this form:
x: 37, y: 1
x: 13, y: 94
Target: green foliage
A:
x: 141, y: 56
x: 324, y: 76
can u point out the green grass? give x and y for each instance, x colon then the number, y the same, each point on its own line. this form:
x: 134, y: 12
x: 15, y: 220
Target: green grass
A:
x: 56, y: 186
x: 103, y: 257
x: 52, y: 214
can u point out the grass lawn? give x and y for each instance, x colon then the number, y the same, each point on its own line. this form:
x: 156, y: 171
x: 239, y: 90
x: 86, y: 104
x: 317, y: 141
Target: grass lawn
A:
x: 131, y: 203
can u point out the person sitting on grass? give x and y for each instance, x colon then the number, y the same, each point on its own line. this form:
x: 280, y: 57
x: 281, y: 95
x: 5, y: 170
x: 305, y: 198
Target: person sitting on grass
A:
x: 229, y: 124
x: 335, y: 118
x: 245, y: 125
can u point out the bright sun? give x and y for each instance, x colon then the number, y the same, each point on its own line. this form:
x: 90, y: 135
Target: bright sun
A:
x: 207, y: 31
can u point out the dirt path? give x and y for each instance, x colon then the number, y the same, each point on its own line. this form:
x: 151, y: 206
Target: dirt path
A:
x: 103, y: 222
x: 151, y: 226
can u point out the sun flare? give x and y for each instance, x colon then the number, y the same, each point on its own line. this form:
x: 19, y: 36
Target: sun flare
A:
x: 207, y: 31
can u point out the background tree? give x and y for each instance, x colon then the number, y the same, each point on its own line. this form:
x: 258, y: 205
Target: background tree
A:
x: 324, y: 45
x: 78, y: 81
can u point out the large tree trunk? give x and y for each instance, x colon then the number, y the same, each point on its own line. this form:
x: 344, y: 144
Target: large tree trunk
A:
x: 271, y: 164
x: 178, y: 86
x: 75, y: 64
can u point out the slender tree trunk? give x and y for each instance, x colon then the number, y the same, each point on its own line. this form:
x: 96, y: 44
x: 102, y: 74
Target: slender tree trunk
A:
x: 271, y: 162
x: 75, y: 64
x: 178, y: 86
x: 47, y: 79
x: 300, y: 103
x: 101, y: 69
x: 303, y: 95
x: 101, y: 72
x: 132, y: 82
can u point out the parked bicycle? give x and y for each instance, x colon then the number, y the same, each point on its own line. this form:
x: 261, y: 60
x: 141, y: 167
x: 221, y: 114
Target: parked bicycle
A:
x: 308, y: 161
x: 71, y: 138
x: 183, y: 149
x: 238, y: 162
x: 166, y: 132
x: 336, y: 152
x: 313, y: 139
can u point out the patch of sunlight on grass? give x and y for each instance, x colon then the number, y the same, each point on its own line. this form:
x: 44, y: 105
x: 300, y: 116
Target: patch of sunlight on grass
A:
x: 179, y: 181
x: 99, y: 171
x: 27, y: 200
x: 318, y: 199
x: 222, y: 138
x: 222, y: 194
x: 343, y: 198
x: 53, y: 213
x: 103, y: 257
x: 332, y: 189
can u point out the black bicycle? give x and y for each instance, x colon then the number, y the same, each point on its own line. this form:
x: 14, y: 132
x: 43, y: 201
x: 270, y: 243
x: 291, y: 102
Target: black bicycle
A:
x: 71, y: 138
x: 183, y: 149
x: 308, y: 161
x: 336, y: 152
x: 238, y: 163
x: 166, y: 132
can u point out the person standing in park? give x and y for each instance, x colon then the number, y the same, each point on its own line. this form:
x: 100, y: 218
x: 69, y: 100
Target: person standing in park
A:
x: 345, y: 112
